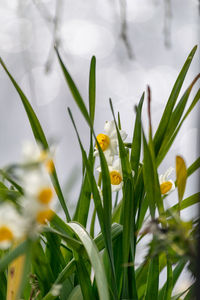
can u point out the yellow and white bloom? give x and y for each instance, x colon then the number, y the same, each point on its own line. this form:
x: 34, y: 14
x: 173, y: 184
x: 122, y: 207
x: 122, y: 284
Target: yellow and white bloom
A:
x: 109, y: 142
x: 12, y: 225
x: 37, y: 186
x: 116, y: 177
x: 38, y: 197
x: 166, y: 185
x: 34, y: 153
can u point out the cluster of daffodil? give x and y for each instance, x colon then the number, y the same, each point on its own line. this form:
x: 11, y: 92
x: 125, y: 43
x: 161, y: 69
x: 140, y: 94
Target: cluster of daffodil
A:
x: 108, y: 142
x: 35, y: 203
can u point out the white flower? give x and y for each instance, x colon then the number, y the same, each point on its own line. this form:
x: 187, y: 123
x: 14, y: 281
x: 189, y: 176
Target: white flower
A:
x: 38, y: 196
x: 109, y: 141
x: 31, y: 152
x: 116, y: 177
x: 12, y: 225
x: 34, y: 153
x: 37, y: 185
x: 166, y: 185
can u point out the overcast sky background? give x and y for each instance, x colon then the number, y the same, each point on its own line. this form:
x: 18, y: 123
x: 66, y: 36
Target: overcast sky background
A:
x: 159, y: 39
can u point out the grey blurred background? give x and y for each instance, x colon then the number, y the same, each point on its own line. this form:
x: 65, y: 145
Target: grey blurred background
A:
x: 136, y: 42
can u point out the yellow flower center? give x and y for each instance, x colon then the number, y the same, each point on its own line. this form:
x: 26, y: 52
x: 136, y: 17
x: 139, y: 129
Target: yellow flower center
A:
x: 47, y: 161
x: 103, y: 140
x: 49, y: 166
x: 115, y: 178
x: 44, y: 216
x: 45, y: 195
x: 165, y: 187
x: 5, y: 234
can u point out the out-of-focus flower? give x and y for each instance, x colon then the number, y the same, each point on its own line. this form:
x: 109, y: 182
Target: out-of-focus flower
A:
x: 34, y: 153
x: 108, y: 141
x: 38, y: 186
x: 12, y: 225
x: 166, y: 185
x: 116, y: 177
x: 38, y: 196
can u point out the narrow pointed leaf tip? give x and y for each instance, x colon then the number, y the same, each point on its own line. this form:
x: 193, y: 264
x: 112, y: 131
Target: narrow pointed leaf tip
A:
x: 181, y: 176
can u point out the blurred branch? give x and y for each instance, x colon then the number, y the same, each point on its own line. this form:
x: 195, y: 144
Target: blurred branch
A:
x: 199, y: 6
x: 50, y: 20
x: 43, y: 11
x: 167, y: 23
x: 124, y: 28
x: 55, y: 39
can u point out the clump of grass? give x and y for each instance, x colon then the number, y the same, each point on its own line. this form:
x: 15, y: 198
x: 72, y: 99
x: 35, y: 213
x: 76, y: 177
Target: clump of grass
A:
x: 45, y: 257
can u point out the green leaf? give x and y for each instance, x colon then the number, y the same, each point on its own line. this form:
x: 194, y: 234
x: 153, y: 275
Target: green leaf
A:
x: 93, y: 185
x: 171, y: 102
x: 39, y: 136
x: 195, y: 165
x: 119, y: 121
x: 152, y: 279
x: 116, y: 231
x: 126, y: 167
x: 82, y: 208
x: 74, y: 90
x: 181, y: 177
x: 167, y: 145
x: 95, y: 260
x: 10, y: 180
x: 6, y: 194
x: 104, y: 213
x: 72, y: 243
x: 76, y: 294
x: 107, y: 205
x: 169, y: 283
x: 117, y: 213
x: 92, y: 89
x: 41, y: 267
x: 70, y: 267
x: 10, y: 256
x: 53, y: 253
x: 177, y: 114
x: 92, y: 223
x: 127, y: 208
x: 127, y: 222
x: 3, y: 281
x: 176, y: 273
x: 136, y: 142
x: 66, y: 272
x: 184, y: 204
x: 34, y: 122
x: 148, y: 173
x: 189, y: 201
x: 84, y: 279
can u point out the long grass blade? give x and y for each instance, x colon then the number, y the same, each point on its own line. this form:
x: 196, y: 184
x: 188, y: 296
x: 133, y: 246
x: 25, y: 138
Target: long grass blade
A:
x: 171, y: 102
x: 39, y: 136
x: 95, y: 259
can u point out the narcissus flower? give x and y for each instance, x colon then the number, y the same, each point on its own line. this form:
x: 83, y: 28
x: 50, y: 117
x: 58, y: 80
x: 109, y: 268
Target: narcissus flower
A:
x: 38, y: 186
x: 38, y: 197
x: 34, y: 153
x: 12, y: 225
x: 166, y: 185
x: 108, y: 141
x: 116, y: 177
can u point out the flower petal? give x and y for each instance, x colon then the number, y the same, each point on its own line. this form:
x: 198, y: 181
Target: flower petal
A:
x: 109, y: 127
x: 123, y: 134
x: 168, y: 173
x: 116, y: 188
